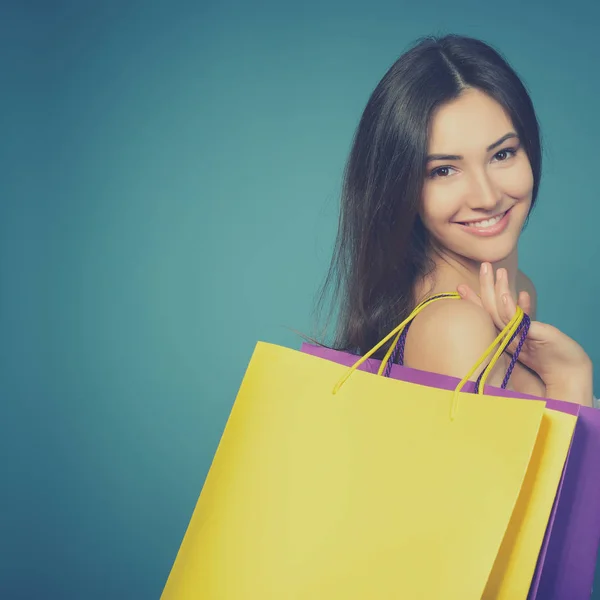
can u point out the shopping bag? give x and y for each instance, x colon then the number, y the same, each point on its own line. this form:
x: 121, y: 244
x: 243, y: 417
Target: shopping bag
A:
x: 567, y: 559
x: 383, y: 489
x: 513, y: 572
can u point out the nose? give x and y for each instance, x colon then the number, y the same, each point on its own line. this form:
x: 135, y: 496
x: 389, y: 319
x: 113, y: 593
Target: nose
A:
x: 485, y: 193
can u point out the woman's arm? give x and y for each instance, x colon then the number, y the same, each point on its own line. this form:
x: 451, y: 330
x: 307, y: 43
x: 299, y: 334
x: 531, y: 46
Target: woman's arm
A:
x: 576, y: 385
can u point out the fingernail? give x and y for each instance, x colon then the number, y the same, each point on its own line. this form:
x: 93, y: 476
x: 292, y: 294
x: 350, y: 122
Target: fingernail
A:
x: 484, y: 268
x: 461, y: 290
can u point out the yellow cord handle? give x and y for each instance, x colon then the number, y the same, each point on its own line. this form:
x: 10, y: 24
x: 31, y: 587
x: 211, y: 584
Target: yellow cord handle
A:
x: 510, y: 329
x: 396, y: 332
x: 418, y: 309
x: 499, y: 344
x: 503, y: 339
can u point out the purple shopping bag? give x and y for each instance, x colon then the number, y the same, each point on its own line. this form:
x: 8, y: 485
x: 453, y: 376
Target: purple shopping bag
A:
x: 567, y: 559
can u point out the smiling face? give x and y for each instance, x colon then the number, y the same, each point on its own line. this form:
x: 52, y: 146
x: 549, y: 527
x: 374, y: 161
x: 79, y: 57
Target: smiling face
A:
x: 479, y: 183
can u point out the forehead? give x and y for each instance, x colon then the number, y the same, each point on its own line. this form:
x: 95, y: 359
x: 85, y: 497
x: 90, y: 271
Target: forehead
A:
x: 473, y: 120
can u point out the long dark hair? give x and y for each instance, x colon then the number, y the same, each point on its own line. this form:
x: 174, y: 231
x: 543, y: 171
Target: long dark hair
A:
x: 382, y: 246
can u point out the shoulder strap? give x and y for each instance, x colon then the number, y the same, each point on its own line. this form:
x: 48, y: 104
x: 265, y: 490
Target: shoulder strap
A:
x: 397, y: 356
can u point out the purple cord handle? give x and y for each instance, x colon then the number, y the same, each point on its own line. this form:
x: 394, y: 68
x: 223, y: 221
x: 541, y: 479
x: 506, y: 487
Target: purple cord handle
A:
x: 397, y: 355
x: 524, y: 330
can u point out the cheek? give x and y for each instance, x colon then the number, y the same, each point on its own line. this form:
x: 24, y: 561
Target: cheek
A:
x: 518, y: 181
x: 439, y: 205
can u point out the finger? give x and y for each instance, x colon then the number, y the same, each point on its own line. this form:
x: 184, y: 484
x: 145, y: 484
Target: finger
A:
x: 525, y: 302
x: 508, y: 305
x: 509, y: 308
x: 488, y: 293
x: 467, y: 293
x: 505, y: 310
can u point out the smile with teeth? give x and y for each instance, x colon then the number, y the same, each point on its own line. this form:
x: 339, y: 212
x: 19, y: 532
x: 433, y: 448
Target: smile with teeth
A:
x: 486, y: 222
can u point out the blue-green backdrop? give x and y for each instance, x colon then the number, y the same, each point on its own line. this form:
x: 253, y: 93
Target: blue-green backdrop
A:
x: 169, y: 181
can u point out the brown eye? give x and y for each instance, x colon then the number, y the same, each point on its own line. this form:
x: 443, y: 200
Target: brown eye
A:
x: 506, y: 153
x: 440, y: 172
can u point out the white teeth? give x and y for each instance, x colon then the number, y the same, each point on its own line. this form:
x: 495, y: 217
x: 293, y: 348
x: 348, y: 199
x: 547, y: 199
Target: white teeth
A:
x: 485, y: 223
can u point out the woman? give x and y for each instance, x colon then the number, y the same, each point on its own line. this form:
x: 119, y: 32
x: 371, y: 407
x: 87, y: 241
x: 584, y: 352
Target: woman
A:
x: 442, y: 176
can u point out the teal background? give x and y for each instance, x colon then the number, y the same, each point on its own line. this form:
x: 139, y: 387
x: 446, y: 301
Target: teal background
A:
x: 170, y: 175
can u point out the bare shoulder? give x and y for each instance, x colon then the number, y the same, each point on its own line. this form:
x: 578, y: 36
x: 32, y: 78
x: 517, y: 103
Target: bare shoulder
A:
x: 524, y: 284
x: 449, y: 337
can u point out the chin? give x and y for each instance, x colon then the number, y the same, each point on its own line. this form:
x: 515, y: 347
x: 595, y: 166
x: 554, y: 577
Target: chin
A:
x: 492, y: 258
x: 492, y: 251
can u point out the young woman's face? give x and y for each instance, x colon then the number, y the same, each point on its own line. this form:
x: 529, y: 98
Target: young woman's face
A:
x: 478, y: 191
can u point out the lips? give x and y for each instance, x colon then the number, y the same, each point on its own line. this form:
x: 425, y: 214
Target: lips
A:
x: 497, y: 217
x: 488, y: 230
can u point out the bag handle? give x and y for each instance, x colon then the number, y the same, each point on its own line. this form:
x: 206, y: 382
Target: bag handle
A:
x: 499, y: 345
x: 397, y: 348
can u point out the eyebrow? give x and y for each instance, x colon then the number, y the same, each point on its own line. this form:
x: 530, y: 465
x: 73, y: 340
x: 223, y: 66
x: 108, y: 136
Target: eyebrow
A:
x: 497, y: 143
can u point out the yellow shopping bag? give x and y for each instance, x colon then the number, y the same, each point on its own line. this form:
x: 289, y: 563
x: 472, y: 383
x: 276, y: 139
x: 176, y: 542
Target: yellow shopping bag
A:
x: 384, y: 489
x: 515, y: 564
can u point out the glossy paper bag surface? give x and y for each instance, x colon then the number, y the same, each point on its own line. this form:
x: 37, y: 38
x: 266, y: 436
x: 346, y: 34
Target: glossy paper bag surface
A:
x: 370, y: 493
x: 515, y: 567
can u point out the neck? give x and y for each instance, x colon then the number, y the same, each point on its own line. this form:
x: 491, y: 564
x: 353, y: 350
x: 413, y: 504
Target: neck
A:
x: 451, y: 271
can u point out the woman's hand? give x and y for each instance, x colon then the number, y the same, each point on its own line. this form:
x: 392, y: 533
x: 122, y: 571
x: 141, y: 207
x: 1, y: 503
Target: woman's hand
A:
x: 560, y: 361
